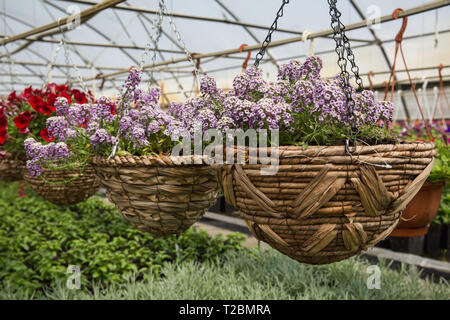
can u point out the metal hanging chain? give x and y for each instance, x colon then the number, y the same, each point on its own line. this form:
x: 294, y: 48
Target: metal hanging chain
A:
x: 52, y: 62
x: 70, y: 61
x: 180, y: 40
x: 154, y: 40
x: 343, y: 48
x: 63, y: 44
x: 268, y: 39
x: 343, y: 44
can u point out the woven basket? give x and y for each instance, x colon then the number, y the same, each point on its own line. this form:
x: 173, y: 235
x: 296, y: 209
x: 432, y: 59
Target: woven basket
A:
x: 155, y: 194
x: 324, y: 206
x: 54, y: 185
x: 11, y: 169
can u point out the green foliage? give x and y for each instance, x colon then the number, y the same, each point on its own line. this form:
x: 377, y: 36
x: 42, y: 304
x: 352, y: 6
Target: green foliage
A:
x: 443, y: 215
x: 260, y: 275
x: 441, y: 169
x: 38, y: 241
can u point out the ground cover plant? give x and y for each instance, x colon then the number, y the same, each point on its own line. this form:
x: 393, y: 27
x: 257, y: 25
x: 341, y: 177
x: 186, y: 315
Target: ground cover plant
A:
x: 258, y: 275
x: 39, y: 240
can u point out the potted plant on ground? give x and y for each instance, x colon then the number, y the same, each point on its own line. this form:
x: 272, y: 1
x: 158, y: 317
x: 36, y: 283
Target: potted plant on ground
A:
x: 422, y: 209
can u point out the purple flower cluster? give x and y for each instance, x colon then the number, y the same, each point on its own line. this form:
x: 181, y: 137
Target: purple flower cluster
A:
x: 299, y: 92
x: 135, y: 119
x: 40, y: 154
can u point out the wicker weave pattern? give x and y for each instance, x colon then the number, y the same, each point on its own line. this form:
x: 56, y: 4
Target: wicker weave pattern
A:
x: 155, y: 194
x: 323, y: 205
x: 57, y: 192
x: 11, y: 169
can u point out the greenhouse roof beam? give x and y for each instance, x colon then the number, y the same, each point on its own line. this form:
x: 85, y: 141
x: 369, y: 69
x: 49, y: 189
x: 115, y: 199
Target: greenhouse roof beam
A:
x: 55, y: 24
x: 201, y: 18
x: 409, y: 12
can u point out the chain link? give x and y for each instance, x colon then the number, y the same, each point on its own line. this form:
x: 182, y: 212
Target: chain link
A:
x: 345, y: 54
x: 268, y: 39
x: 52, y: 62
x: 70, y: 62
x: 154, y: 40
x: 63, y: 44
x: 180, y: 40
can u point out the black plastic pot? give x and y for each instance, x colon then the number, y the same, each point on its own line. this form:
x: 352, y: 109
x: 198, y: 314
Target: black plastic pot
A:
x: 413, y: 245
x: 433, y: 240
x: 217, y: 207
x: 445, y: 236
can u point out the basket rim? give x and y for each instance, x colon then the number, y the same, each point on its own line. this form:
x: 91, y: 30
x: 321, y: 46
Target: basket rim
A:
x: 194, y: 160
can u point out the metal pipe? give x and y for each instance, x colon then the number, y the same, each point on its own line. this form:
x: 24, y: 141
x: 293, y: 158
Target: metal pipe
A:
x: 55, y: 24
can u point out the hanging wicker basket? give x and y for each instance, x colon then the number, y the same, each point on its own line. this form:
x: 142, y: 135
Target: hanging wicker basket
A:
x: 324, y: 206
x: 11, y: 169
x: 155, y: 194
x: 64, y: 187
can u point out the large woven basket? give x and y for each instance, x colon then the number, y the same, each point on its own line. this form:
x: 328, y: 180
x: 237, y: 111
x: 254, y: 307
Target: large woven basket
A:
x: 324, y: 206
x: 64, y: 187
x: 11, y: 169
x: 155, y: 194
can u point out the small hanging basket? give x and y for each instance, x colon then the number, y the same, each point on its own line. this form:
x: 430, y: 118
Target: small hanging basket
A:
x: 65, y: 186
x: 324, y: 206
x: 155, y: 194
x: 11, y: 169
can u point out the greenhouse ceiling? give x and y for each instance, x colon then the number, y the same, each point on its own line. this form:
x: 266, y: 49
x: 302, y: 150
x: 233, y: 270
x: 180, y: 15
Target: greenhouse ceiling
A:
x: 112, y: 36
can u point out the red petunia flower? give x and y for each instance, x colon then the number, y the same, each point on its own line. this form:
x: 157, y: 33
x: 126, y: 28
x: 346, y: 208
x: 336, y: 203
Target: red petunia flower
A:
x: 61, y: 88
x: 22, y: 120
x: 35, y: 102
x: 3, y: 136
x: 79, y: 96
x: 46, y: 135
x: 45, y: 108
x: 67, y: 96
x: 51, y: 88
x: 51, y: 99
x: 28, y: 92
x: 12, y: 96
x: 112, y: 109
x: 3, y: 120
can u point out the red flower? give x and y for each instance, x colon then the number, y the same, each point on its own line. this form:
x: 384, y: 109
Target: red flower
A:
x: 112, y: 109
x: 51, y: 87
x: 67, y: 96
x: 22, y: 120
x: 79, y: 96
x: 51, y: 99
x: 3, y: 136
x: 3, y: 120
x: 45, y: 108
x: 61, y: 88
x: 35, y: 102
x: 46, y: 135
x: 12, y: 96
x: 28, y: 92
